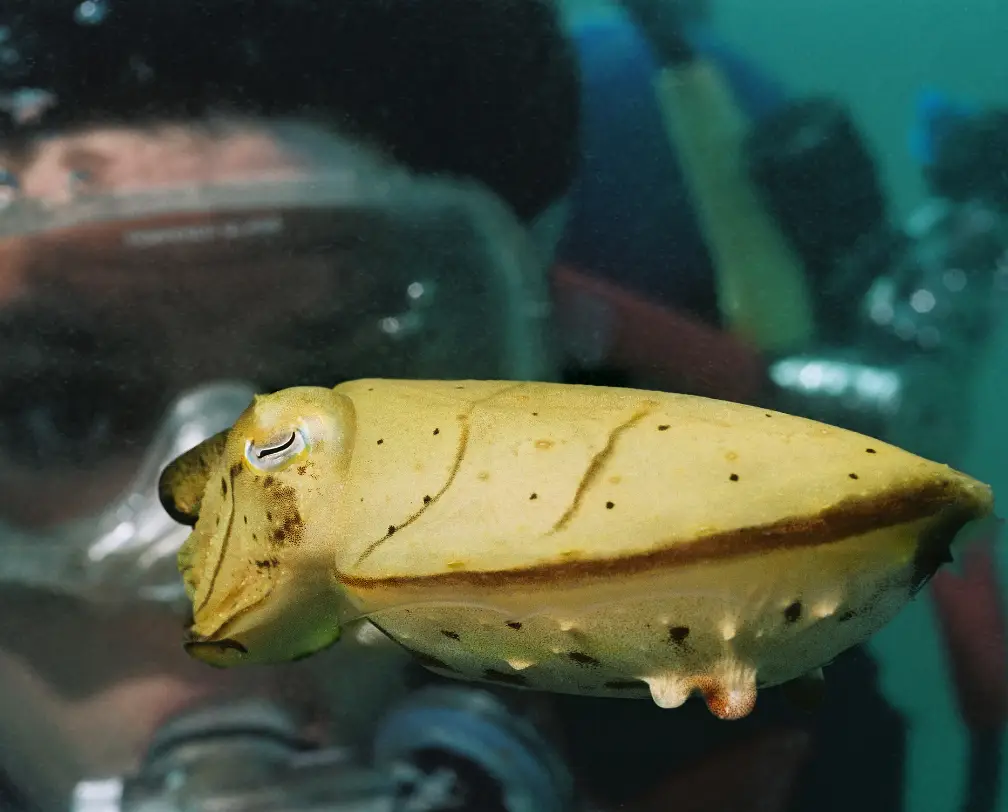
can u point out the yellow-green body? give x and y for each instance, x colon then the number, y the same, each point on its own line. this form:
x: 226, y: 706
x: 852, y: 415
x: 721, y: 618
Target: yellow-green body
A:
x: 566, y: 538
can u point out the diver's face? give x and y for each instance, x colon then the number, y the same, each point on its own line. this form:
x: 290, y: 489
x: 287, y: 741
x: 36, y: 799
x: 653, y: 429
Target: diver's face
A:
x: 67, y: 448
x: 89, y: 358
x: 92, y: 353
x: 100, y: 330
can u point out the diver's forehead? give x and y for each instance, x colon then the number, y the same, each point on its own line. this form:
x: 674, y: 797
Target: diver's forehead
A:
x: 118, y: 158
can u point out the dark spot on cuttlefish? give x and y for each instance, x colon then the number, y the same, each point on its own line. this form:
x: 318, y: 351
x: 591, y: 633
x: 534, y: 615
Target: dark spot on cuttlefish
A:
x: 678, y: 634
x: 581, y: 658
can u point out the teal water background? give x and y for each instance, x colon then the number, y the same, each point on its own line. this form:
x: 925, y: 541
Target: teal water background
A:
x: 877, y: 55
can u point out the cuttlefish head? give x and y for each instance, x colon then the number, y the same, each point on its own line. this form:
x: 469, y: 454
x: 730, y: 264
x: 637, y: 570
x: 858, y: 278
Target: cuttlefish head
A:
x: 257, y: 497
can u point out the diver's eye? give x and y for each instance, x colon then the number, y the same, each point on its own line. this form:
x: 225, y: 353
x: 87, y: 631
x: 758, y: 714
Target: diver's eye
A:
x: 277, y: 453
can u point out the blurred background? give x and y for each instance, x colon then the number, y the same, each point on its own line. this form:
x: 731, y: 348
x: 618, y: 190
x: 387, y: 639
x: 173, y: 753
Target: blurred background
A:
x: 790, y: 204
x: 877, y: 57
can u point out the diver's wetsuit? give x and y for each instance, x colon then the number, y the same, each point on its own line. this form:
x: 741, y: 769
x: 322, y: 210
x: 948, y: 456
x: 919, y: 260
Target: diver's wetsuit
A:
x: 631, y: 220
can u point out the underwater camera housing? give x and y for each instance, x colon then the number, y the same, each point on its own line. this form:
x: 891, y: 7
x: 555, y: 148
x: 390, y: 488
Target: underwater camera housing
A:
x: 902, y: 312
x: 817, y: 177
x: 444, y: 749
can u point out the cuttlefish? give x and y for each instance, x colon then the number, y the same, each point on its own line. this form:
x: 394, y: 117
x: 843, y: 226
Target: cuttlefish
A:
x: 567, y: 538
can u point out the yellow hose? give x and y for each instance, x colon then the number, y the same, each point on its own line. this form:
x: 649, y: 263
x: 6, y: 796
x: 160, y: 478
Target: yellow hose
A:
x: 762, y: 290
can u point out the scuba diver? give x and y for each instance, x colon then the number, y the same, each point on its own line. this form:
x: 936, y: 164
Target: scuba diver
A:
x: 191, y: 211
x: 206, y: 197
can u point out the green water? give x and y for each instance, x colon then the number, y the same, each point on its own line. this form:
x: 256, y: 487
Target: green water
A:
x: 877, y: 56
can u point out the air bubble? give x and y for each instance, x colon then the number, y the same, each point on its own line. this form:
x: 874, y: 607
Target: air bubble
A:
x: 954, y: 279
x: 923, y: 300
x: 9, y: 188
x: 905, y: 329
x: 91, y: 12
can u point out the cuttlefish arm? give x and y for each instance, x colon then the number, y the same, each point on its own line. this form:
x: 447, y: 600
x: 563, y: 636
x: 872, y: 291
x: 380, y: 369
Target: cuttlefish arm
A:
x: 184, y: 480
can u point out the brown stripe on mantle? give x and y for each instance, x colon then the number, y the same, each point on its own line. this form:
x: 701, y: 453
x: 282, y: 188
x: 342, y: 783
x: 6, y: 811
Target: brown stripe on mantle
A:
x: 846, y: 519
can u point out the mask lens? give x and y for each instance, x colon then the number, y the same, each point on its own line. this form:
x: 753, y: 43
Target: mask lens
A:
x: 114, y: 320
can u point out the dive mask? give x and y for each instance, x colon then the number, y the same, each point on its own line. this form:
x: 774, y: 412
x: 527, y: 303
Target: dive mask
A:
x: 135, y: 325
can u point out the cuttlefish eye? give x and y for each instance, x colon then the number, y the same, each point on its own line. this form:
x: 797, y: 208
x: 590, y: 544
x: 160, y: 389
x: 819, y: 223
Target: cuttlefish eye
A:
x: 276, y: 453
